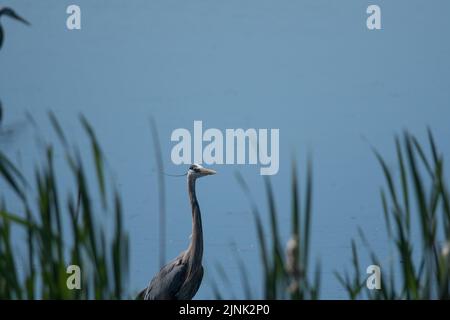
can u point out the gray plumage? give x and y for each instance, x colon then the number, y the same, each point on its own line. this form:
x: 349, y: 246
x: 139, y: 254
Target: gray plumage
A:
x: 181, y: 278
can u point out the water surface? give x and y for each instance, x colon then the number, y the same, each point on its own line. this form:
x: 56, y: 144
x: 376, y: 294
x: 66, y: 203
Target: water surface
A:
x: 309, y: 68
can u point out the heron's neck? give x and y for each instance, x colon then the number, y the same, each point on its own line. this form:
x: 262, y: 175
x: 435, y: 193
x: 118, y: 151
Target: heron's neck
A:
x: 196, y: 245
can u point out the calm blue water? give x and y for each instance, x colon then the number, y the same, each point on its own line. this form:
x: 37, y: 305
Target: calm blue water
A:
x: 310, y: 68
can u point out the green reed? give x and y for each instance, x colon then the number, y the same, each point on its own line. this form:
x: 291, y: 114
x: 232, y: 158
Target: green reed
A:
x: 416, y: 196
x: 57, y: 231
x: 52, y: 231
x: 286, y: 267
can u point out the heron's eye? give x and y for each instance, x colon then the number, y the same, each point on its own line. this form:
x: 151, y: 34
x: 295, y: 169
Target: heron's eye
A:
x: 194, y: 168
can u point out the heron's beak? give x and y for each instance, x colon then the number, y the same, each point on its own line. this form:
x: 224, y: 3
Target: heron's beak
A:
x: 207, y: 172
x: 19, y: 18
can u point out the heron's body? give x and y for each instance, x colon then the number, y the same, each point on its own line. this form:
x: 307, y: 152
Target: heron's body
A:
x: 181, y: 278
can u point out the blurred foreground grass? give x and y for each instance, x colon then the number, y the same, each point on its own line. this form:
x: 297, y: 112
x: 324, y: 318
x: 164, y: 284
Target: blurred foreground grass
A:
x: 415, y: 200
x: 62, y: 230
x: 417, y: 195
x: 52, y: 231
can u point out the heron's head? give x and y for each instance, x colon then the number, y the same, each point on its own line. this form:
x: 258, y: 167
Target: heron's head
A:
x: 12, y: 14
x: 197, y: 171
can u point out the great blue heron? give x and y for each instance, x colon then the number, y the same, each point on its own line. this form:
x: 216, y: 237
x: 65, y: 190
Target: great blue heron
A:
x: 5, y: 11
x: 181, y: 278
